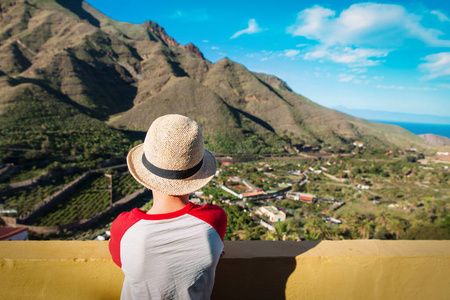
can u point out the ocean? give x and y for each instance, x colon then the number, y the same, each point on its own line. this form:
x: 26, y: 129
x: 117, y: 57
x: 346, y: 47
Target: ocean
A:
x: 421, y: 128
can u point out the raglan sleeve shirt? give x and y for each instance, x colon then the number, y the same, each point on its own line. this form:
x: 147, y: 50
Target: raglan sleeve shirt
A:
x: 168, y: 256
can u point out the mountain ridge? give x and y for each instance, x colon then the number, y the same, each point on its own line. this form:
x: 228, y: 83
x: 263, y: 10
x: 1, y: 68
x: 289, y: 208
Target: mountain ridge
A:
x: 435, y: 140
x: 121, y: 76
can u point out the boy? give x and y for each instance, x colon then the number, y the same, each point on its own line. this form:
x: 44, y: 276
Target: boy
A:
x: 171, y: 251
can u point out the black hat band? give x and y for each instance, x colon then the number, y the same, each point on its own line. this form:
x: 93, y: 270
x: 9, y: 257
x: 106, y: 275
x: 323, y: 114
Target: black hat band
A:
x: 171, y: 174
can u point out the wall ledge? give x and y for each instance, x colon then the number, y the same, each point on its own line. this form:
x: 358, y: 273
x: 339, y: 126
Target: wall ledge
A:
x: 360, y: 269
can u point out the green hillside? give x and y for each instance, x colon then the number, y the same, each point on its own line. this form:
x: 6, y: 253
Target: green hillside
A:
x: 74, y: 82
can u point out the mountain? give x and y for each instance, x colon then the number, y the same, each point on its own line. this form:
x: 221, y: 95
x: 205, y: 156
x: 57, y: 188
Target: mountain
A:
x: 75, y: 81
x: 435, y: 140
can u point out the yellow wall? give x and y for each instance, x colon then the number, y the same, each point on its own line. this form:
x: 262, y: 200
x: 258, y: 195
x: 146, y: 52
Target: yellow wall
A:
x: 58, y: 270
x: 366, y: 269
x: 373, y: 270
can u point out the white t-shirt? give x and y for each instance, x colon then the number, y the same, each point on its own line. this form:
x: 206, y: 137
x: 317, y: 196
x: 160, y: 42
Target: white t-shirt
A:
x: 168, y: 256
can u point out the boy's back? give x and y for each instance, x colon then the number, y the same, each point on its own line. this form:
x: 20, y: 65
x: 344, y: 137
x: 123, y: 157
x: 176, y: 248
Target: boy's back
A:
x: 171, y: 251
x: 169, y: 256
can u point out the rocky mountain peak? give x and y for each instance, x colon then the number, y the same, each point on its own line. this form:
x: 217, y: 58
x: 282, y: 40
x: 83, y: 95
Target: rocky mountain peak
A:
x: 160, y: 33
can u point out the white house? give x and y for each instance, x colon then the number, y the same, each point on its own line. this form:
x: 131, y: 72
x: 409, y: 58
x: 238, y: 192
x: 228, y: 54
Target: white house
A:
x: 272, y: 212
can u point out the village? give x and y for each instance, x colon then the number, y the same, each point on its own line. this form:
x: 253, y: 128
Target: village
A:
x: 386, y: 195
x: 263, y: 205
x: 274, y: 193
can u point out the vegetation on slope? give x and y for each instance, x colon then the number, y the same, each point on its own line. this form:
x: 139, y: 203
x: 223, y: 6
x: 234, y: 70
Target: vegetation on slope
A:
x: 70, y: 68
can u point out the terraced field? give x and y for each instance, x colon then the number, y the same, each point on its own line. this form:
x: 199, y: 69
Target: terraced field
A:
x: 124, y: 185
x: 24, y: 200
x: 90, y: 198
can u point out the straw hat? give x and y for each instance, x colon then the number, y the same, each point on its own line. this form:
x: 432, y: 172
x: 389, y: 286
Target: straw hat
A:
x: 172, y: 158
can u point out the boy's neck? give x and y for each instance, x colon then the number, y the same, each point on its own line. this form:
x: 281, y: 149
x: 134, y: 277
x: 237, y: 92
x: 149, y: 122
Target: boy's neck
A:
x: 163, y: 204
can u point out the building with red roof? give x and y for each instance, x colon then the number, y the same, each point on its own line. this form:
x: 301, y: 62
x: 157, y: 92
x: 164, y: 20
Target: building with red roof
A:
x: 13, y: 233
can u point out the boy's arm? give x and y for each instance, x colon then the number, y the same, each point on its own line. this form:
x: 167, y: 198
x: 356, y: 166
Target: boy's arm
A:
x: 120, y: 225
x: 114, y: 242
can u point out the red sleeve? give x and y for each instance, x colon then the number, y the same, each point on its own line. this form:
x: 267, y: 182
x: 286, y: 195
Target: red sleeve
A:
x: 213, y: 215
x: 118, y: 228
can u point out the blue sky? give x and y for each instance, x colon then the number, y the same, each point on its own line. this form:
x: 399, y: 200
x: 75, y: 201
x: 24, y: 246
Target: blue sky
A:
x: 388, y: 56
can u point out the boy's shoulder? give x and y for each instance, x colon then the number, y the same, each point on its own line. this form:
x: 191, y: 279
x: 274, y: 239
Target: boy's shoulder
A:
x: 124, y: 221
x: 208, y: 208
x: 214, y: 215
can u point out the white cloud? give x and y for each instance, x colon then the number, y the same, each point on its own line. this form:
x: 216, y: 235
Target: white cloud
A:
x: 215, y: 48
x: 391, y: 87
x: 265, y: 55
x: 413, y: 88
x: 346, y: 55
x: 312, y: 22
x: 291, y: 53
x: 346, y: 77
x: 445, y: 86
x: 359, y: 70
x: 353, y: 78
x: 252, y: 28
x: 437, y: 65
x: 442, y: 17
x: 364, y: 24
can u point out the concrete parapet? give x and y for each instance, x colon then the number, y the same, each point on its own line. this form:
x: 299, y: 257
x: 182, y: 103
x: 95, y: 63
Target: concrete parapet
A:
x: 363, y: 269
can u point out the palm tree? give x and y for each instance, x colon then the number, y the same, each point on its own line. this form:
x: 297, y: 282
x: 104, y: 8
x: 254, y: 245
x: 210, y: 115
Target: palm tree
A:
x: 383, y: 218
x: 345, y: 228
x: 282, y: 229
x: 361, y: 229
x: 369, y: 228
x: 395, y: 226
x: 271, y: 236
x: 315, y: 228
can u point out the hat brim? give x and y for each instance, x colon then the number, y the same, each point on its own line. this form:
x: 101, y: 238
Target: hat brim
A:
x: 175, y: 187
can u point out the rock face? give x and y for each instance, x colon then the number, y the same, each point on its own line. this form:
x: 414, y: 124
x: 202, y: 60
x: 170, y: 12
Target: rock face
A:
x: 69, y: 67
x: 163, y: 36
x: 435, y: 140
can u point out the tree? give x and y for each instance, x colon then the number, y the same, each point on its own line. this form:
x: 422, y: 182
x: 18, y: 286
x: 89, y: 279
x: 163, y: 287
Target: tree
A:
x: 315, y: 228
x: 29, y: 154
x: 345, y: 229
x: 46, y: 146
x: 395, y: 227
x: 383, y: 218
x: 287, y: 230
x: 341, y: 174
x: 411, y: 158
x: 365, y: 228
x: 54, y: 167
